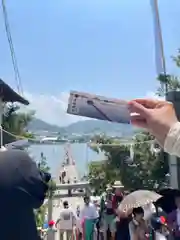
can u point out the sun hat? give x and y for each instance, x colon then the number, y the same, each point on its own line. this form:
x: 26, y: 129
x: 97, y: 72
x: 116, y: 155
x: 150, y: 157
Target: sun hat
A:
x: 118, y: 184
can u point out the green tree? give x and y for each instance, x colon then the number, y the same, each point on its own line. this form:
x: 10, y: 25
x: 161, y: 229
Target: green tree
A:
x: 16, y: 122
x: 148, y: 169
x: 97, y: 175
x: 40, y: 213
x: 176, y: 58
x: 108, y: 170
x: 145, y: 171
x: 43, y: 165
x: 172, y: 82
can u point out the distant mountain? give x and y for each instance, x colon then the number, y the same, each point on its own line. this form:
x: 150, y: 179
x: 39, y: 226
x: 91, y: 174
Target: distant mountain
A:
x: 96, y: 126
x: 40, y: 125
x: 83, y: 127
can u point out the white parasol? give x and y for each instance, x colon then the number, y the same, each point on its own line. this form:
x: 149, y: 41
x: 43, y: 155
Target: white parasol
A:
x: 136, y: 199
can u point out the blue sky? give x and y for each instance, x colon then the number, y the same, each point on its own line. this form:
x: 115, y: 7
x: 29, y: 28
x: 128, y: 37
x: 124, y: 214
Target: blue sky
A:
x: 99, y: 46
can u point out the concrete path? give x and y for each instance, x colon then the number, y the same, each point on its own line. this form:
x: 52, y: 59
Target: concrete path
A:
x: 71, y: 174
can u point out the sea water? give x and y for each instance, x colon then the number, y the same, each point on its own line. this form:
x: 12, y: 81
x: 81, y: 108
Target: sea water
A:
x: 55, y: 155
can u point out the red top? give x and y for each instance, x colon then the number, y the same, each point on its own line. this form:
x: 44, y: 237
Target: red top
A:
x: 116, y: 200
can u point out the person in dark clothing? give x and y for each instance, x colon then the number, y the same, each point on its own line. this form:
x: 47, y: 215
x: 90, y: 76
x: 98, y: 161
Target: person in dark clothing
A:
x: 159, y: 228
x: 22, y: 188
x: 121, y: 221
x: 122, y: 228
x: 60, y: 179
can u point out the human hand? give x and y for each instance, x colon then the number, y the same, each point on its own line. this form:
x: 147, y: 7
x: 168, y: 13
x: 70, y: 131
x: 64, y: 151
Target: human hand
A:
x: 117, y: 219
x: 154, y: 115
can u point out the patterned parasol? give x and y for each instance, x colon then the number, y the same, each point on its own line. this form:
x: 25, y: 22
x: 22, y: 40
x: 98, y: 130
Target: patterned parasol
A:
x: 136, y: 199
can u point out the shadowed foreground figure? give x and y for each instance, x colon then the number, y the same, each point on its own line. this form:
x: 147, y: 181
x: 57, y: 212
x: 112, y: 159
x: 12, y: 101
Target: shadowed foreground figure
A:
x: 22, y: 188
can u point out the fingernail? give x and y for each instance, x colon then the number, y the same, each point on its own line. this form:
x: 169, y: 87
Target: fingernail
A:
x: 130, y: 104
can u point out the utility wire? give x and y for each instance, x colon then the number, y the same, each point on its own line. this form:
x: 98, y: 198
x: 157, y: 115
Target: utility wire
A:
x: 12, y: 51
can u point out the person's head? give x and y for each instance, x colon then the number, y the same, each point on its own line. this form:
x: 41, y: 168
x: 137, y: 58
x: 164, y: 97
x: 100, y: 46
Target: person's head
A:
x: 86, y: 200
x: 118, y: 191
x: 118, y: 188
x: 138, y: 213
x: 108, y: 189
x: 177, y: 201
x: 65, y: 204
x: 159, y: 224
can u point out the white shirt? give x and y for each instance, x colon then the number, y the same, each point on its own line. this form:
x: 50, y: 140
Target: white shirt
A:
x: 160, y: 236
x: 51, y: 233
x: 67, y: 219
x: 89, y: 211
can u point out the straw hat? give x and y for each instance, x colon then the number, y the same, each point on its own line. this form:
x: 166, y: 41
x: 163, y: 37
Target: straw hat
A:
x: 118, y: 184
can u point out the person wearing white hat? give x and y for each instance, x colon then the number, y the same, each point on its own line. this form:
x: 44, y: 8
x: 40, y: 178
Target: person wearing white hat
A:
x: 118, y: 193
x: 107, y: 212
x: 118, y: 184
x: 120, y: 224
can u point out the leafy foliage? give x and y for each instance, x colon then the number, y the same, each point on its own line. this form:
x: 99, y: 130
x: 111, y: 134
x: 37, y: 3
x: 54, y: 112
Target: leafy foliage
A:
x: 15, y: 121
x: 176, y: 58
x: 43, y: 165
x: 40, y: 213
x: 144, y: 171
x: 172, y: 82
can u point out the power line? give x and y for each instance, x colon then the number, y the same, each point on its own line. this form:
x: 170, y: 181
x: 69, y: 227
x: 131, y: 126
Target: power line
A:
x: 12, y: 51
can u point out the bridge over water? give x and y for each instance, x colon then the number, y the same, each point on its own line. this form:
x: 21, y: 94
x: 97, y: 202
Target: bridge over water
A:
x: 71, y: 190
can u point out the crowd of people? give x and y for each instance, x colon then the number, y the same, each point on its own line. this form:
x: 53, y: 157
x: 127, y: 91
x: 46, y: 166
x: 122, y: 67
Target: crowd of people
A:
x: 101, y: 219
x: 23, y: 186
x: 94, y: 219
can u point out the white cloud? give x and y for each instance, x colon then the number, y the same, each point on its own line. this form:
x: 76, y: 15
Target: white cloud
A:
x: 51, y: 109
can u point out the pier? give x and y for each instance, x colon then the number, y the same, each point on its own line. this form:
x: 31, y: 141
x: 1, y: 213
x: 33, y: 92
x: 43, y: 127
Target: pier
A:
x: 69, y: 188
